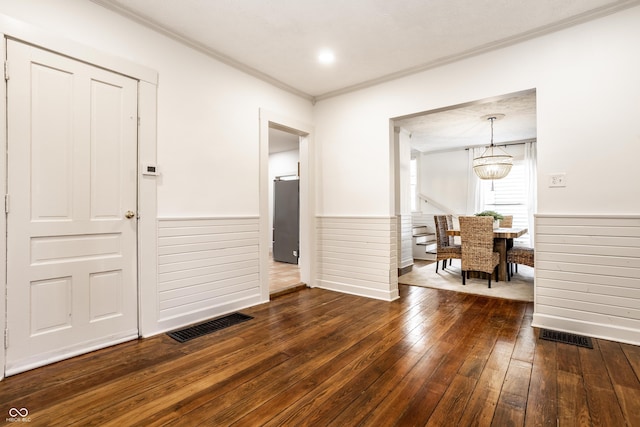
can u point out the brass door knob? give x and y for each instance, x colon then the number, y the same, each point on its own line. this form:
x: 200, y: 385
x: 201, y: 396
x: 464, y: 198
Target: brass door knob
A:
x: 130, y: 214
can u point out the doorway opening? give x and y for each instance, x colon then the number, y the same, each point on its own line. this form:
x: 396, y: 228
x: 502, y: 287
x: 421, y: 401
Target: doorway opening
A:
x: 289, y: 143
x: 284, y: 209
x: 440, y: 145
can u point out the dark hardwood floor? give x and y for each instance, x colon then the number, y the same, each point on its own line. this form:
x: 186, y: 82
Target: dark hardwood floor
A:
x: 320, y: 358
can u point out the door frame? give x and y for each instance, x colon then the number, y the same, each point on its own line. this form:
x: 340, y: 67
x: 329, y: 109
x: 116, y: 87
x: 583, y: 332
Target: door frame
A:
x: 146, y: 192
x: 306, y: 261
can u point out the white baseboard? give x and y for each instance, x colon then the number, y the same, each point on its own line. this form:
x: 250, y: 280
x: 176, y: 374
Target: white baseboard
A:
x: 593, y: 330
x: 358, y: 290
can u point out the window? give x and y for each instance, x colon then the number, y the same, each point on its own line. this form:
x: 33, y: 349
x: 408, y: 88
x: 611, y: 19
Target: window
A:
x: 509, y: 197
x: 413, y: 180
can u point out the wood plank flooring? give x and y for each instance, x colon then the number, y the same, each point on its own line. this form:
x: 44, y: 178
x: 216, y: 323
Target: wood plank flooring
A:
x: 320, y: 358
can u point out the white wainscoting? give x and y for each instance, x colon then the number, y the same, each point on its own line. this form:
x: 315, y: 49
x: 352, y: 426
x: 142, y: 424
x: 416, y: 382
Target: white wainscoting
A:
x: 587, y: 275
x: 207, y: 267
x: 405, y: 240
x: 358, y: 255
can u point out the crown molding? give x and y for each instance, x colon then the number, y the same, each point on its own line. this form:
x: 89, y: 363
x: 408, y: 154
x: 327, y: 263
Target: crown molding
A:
x: 537, y: 32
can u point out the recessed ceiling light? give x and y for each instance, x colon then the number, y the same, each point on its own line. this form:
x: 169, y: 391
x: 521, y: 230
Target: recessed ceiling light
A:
x: 326, y: 57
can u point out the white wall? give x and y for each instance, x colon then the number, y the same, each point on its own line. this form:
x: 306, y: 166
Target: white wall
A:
x: 207, y: 111
x: 588, y: 93
x: 443, y: 178
x: 207, y: 133
x: 283, y: 163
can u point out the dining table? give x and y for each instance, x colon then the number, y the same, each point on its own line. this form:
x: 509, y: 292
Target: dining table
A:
x: 502, y: 241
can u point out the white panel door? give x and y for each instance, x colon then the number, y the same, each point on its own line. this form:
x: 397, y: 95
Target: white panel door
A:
x: 72, y: 147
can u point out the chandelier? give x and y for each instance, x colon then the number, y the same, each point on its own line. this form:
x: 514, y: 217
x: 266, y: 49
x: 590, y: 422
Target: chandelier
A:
x: 495, y: 163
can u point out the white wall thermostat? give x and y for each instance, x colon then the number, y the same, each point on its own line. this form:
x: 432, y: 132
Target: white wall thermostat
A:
x: 150, y: 169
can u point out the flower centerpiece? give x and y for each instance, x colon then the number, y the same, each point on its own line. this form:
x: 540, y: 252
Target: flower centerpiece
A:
x: 496, y: 217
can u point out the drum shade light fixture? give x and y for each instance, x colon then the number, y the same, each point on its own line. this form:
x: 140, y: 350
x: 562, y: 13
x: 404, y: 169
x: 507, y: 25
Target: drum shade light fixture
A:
x: 494, y: 163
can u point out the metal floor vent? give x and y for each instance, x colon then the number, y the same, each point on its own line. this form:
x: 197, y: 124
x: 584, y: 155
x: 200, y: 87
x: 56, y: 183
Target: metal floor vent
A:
x: 205, y: 328
x: 567, y: 338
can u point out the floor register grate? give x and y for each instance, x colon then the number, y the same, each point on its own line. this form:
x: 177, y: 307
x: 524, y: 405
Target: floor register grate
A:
x: 208, y: 327
x: 565, y: 337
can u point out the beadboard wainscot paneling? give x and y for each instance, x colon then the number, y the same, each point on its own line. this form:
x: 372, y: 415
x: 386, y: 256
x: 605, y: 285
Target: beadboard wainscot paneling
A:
x: 405, y: 242
x: 587, y: 275
x: 358, y: 255
x: 207, y: 267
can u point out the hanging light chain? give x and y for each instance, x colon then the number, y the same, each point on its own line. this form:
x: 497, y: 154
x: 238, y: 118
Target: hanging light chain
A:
x: 492, y: 119
x: 489, y: 165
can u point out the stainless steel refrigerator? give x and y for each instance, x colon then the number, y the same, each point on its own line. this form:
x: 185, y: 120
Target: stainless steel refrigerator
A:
x: 286, y: 220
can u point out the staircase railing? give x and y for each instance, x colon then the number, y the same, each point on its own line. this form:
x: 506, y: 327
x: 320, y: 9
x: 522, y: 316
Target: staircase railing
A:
x: 439, y: 206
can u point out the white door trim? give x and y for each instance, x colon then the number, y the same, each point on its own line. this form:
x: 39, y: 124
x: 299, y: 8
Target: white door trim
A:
x: 147, y: 196
x: 307, y: 197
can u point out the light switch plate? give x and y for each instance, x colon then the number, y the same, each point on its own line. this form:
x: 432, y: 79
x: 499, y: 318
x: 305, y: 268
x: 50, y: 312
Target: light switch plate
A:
x: 150, y: 169
x: 558, y: 180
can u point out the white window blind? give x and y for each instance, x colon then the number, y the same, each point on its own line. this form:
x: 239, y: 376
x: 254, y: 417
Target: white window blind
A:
x: 509, y: 197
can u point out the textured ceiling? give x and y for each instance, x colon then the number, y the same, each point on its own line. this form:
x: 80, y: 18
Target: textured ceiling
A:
x: 373, y: 40
x: 468, y: 125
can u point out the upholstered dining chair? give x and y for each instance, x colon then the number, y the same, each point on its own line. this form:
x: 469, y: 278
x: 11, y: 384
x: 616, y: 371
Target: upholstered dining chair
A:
x: 446, y: 249
x: 519, y: 255
x: 476, y: 234
x: 506, y: 221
